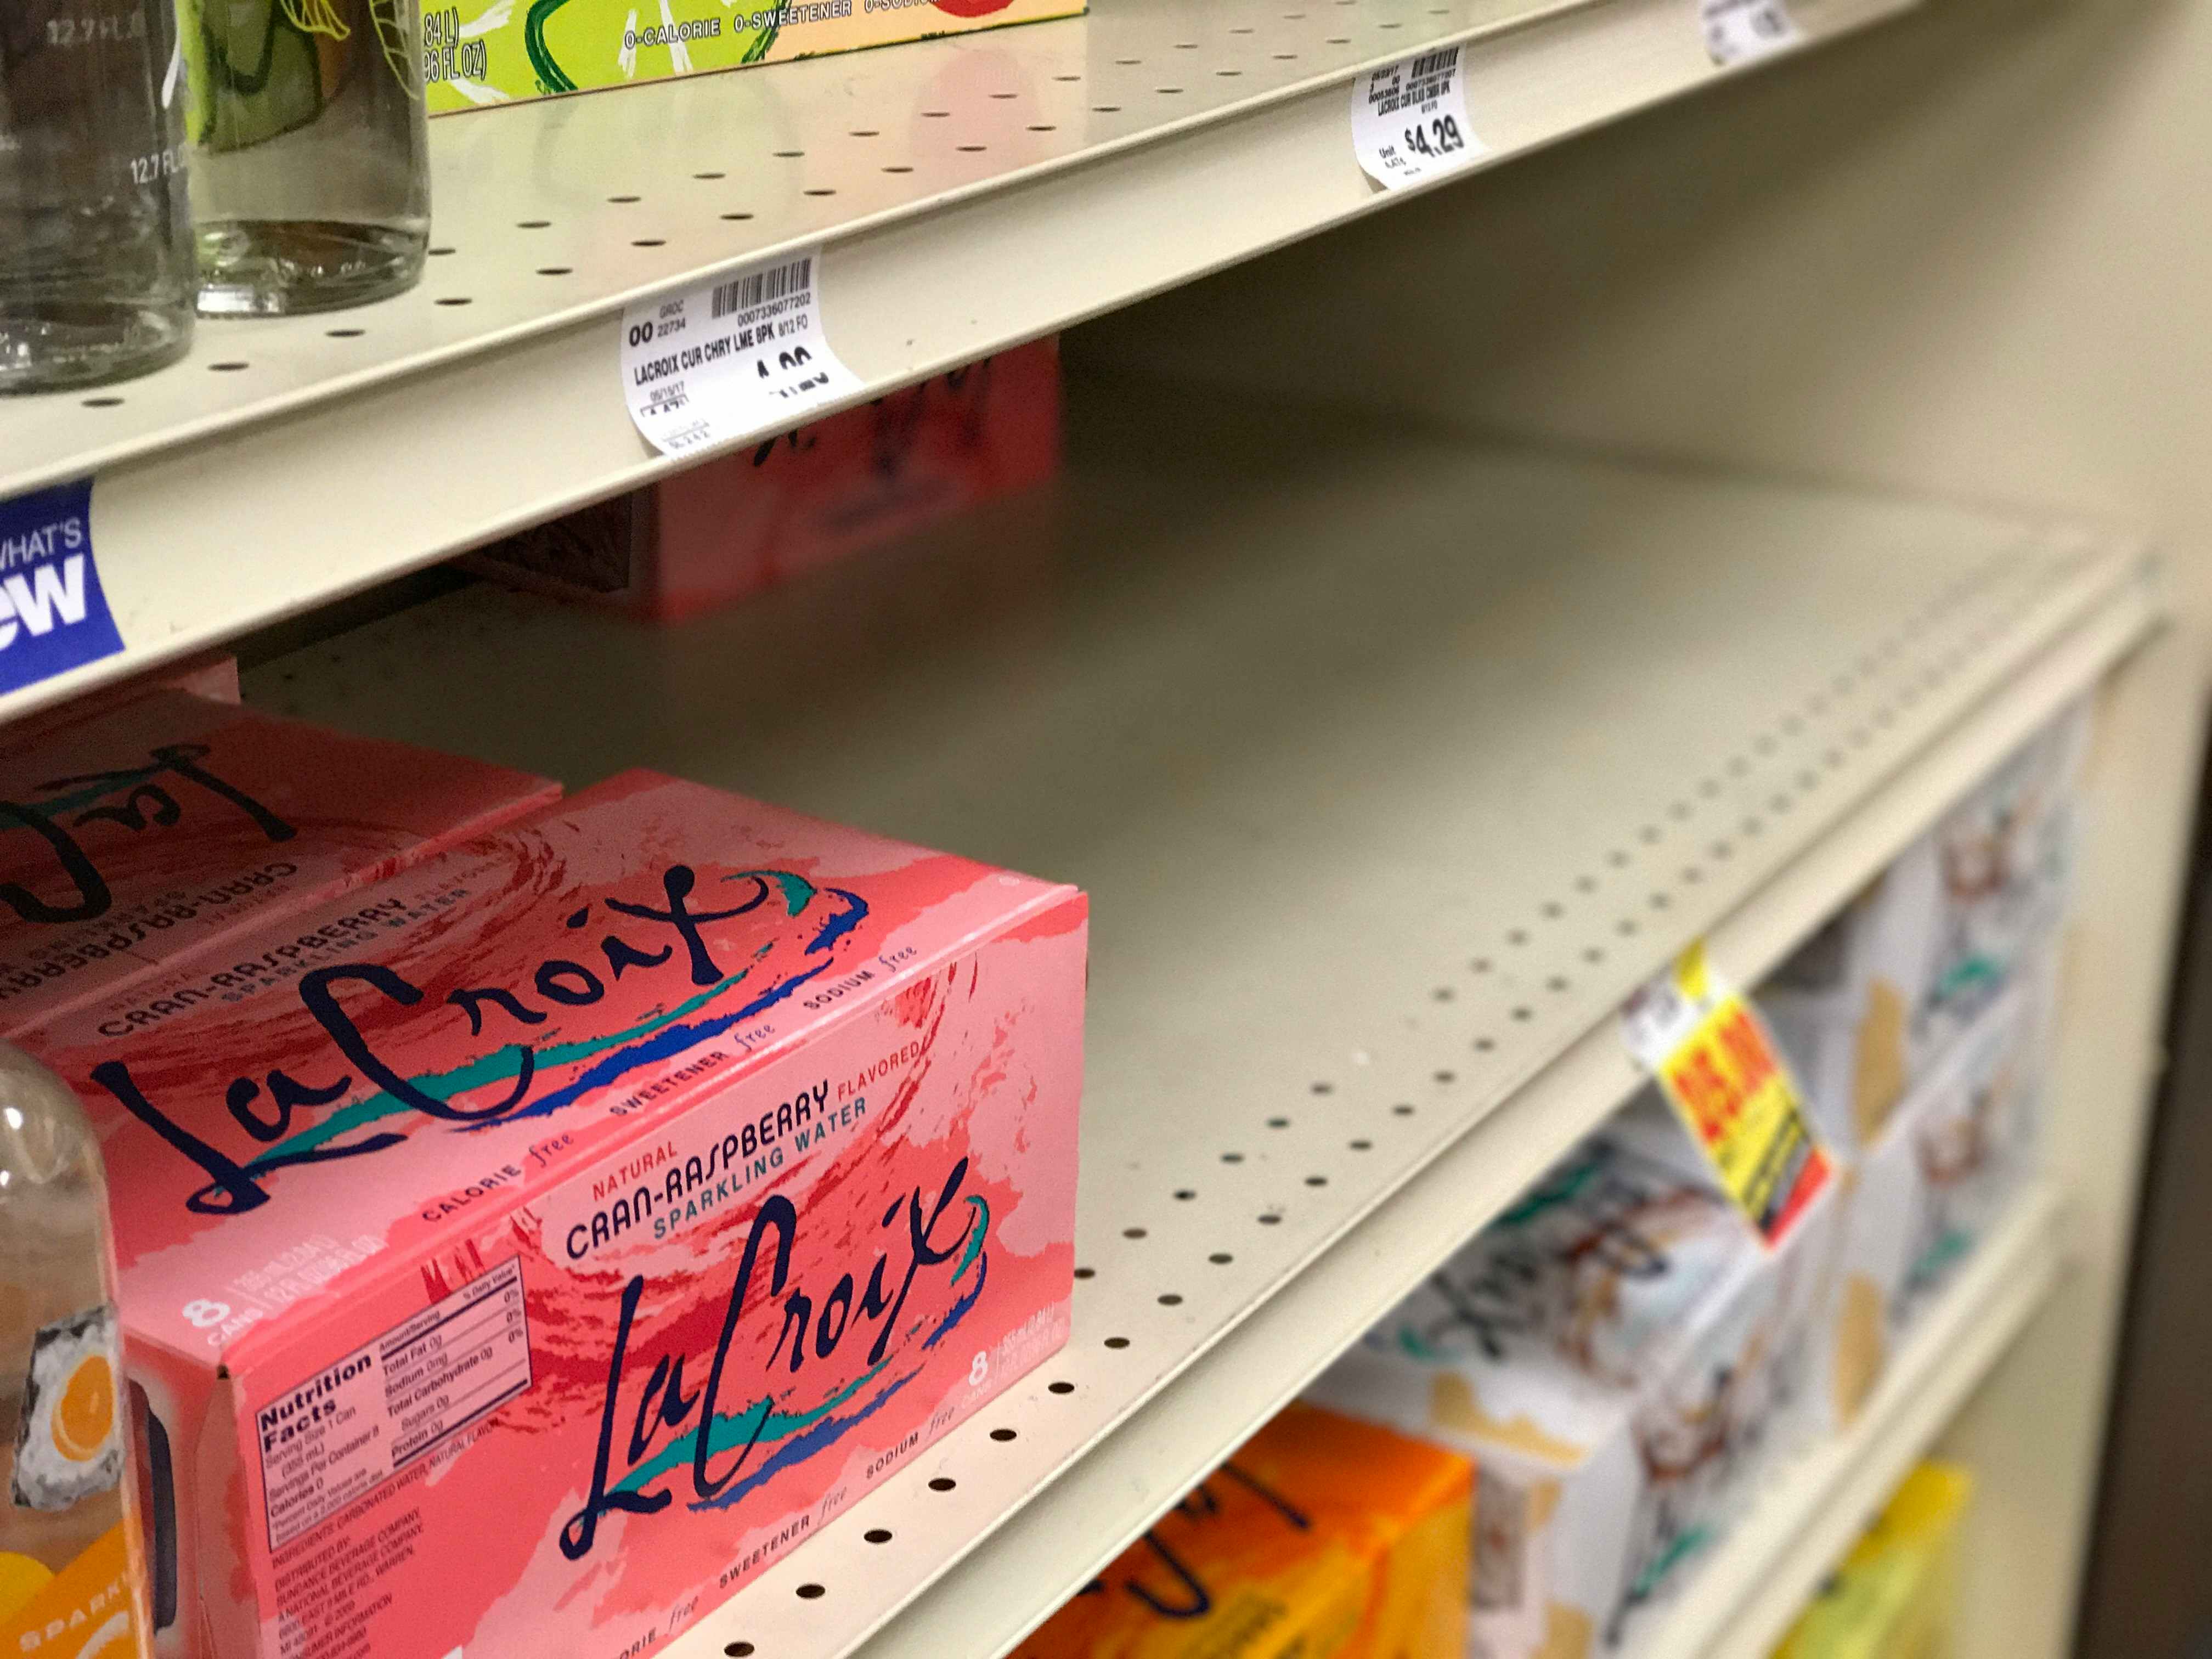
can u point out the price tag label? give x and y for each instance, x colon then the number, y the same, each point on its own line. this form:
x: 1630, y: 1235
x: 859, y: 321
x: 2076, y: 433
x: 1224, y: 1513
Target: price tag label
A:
x: 728, y: 359
x: 1713, y: 1059
x: 1742, y: 31
x: 1409, y: 120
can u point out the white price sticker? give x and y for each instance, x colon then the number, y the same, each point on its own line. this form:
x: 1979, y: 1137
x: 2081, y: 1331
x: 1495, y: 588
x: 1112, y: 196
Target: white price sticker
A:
x: 1741, y: 31
x: 730, y: 358
x: 1409, y: 120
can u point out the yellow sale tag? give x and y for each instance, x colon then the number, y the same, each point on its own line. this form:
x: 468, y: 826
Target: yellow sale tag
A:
x: 1711, y: 1056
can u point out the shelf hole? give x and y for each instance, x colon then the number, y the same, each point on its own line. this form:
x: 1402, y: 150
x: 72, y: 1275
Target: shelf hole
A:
x: 878, y: 1535
x: 556, y: 270
x: 1324, y: 1088
x: 946, y: 1483
x: 1105, y: 109
x: 642, y: 241
x: 1691, y: 874
x: 1067, y: 77
x: 1447, y: 1077
x: 820, y: 189
x: 1522, y: 1012
x: 1221, y: 1257
x: 1115, y: 1342
x: 1168, y: 92
x: 1402, y: 1110
x: 1441, y: 994
x: 103, y: 402
x: 1060, y: 1387
x: 439, y: 252
x: 1278, y: 1123
x: 710, y: 175
x: 1752, y: 826
x: 1361, y: 1145
x: 1553, y: 909
x: 1616, y: 858
x: 1132, y: 1232
x: 1517, y: 936
x: 1185, y: 1194
x: 1228, y: 75
x: 1002, y: 1435
x: 1593, y: 956
x: 970, y: 150
x: 1624, y: 926
x: 1086, y: 1273
x: 226, y: 368
x: 1585, y: 883
x: 810, y: 1592
x: 624, y: 200
x: 1339, y: 39
x: 1232, y: 1157
x: 736, y: 215
x: 1316, y: 1181
x: 1043, y: 126
x: 739, y: 1650
x: 1128, y: 63
x: 1483, y: 1045
x: 1167, y: 1300
x: 456, y: 299
x: 1481, y: 964
x: 867, y: 132
x: 898, y: 169
x: 937, y: 114
x: 1269, y: 1218
x: 1286, y: 56
x: 1555, y: 984
x: 788, y: 154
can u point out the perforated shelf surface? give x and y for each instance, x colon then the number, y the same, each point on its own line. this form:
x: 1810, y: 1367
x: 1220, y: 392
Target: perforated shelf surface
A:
x: 1388, y: 779
x: 972, y: 192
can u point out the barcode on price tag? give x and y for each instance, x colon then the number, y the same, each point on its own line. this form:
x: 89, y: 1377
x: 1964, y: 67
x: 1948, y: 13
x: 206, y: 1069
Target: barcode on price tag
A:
x: 1409, y: 120
x: 1739, y: 31
x: 730, y: 359
x: 1712, y: 1057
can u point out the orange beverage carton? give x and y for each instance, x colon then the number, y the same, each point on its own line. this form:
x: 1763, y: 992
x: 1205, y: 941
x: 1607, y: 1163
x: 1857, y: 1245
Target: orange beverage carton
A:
x: 1323, y: 1537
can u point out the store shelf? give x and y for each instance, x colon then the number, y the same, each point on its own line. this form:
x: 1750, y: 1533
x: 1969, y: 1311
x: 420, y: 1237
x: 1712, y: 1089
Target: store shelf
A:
x: 972, y: 193
x: 1809, y: 1511
x: 1389, y: 778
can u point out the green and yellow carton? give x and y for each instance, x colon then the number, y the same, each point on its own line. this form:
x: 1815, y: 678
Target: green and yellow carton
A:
x: 481, y: 53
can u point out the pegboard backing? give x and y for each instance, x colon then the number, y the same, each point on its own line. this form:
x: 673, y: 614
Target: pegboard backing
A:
x: 1389, y: 778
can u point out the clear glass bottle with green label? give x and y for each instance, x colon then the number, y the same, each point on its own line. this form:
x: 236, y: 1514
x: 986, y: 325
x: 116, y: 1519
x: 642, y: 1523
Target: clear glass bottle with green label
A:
x: 95, y: 239
x: 71, y: 1549
x: 311, y: 160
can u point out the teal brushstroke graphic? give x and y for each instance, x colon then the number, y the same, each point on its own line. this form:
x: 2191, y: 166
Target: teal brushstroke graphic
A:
x: 730, y: 1430
x: 501, y: 1066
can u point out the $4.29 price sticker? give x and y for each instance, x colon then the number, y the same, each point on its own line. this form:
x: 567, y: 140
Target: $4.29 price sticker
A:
x: 1713, y: 1059
x: 732, y: 359
x: 1409, y: 120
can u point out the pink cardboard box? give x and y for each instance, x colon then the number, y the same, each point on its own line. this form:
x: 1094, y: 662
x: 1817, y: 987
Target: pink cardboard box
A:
x: 742, y: 525
x: 168, y: 823
x: 589, y: 1216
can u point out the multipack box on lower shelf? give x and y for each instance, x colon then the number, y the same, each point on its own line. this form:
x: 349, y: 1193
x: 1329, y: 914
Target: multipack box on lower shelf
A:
x: 1322, y: 1537
x: 1939, y: 1178
x: 528, y: 1267
x: 1613, y: 1351
x: 1870, y: 1004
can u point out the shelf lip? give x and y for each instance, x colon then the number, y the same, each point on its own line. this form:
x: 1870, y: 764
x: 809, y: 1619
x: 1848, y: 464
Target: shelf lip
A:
x: 1810, y: 1509
x: 475, y: 406
x: 1232, y: 713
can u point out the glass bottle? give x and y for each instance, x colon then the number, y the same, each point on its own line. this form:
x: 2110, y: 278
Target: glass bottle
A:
x: 70, y: 1545
x: 311, y: 159
x: 95, y: 241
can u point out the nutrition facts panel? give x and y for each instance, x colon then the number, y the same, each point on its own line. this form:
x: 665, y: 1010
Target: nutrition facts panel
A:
x: 356, y: 1423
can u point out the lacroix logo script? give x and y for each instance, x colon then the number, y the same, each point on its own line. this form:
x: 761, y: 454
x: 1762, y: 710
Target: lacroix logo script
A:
x: 666, y: 936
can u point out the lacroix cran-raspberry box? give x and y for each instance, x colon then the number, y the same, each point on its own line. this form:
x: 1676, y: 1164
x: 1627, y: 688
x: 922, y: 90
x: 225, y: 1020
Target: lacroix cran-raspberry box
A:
x: 172, y: 822
x: 523, y: 1271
